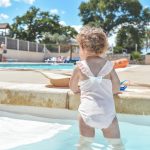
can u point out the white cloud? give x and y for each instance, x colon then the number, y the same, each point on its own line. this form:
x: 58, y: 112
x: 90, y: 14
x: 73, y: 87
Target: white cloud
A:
x: 3, y: 16
x: 146, y: 6
x: 77, y: 27
x: 29, y: 1
x: 54, y: 11
x: 17, y: 0
x: 26, y: 1
x: 63, y: 12
x: 63, y: 23
x: 5, y: 3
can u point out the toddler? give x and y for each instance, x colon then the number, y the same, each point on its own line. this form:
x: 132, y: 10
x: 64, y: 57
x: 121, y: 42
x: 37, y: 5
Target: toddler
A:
x: 97, y: 81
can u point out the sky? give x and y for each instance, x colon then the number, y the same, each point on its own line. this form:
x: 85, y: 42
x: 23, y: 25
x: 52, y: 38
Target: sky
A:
x: 68, y: 10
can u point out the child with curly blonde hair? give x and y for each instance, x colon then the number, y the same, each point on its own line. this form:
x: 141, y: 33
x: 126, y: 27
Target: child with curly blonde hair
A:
x: 97, y: 81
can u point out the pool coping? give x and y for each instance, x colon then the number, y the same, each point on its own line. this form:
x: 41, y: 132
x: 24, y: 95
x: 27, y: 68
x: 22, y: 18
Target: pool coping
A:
x: 24, y: 94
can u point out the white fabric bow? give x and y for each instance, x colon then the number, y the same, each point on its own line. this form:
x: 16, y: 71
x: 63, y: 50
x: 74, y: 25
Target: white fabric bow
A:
x: 96, y: 79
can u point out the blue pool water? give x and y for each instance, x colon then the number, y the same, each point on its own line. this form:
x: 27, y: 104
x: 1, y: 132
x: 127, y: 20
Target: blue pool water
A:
x: 48, y: 66
x: 135, y: 137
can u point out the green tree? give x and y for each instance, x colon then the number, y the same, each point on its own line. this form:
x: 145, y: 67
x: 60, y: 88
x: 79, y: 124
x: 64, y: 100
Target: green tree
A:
x: 130, y: 38
x: 135, y: 36
x: 35, y: 22
x: 68, y: 31
x: 112, y: 13
x: 61, y: 37
x: 54, y: 38
x: 135, y: 55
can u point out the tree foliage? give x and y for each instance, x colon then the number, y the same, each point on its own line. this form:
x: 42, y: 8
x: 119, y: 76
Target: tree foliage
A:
x: 35, y: 22
x: 135, y: 55
x: 112, y: 13
x: 54, y: 38
x: 127, y: 16
x: 128, y: 37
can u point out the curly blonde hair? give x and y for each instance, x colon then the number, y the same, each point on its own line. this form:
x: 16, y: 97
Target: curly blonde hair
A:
x: 93, y: 39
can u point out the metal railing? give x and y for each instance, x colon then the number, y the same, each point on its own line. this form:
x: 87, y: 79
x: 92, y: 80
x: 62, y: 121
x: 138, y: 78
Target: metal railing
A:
x: 21, y: 45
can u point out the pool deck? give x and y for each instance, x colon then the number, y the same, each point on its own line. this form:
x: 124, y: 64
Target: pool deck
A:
x: 29, y: 88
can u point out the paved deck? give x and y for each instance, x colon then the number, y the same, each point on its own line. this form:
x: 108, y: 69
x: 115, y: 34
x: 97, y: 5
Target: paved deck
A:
x: 22, y: 77
x: 134, y: 73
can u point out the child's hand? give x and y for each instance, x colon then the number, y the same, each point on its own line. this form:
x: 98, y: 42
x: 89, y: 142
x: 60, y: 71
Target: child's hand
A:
x: 119, y: 92
x: 77, y: 92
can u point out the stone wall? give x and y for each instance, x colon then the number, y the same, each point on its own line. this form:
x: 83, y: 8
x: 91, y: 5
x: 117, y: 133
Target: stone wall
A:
x: 147, y: 59
x: 28, y: 56
x: 118, y: 56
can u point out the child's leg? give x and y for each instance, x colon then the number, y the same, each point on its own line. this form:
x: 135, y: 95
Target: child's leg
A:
x: 112, y: 134
x: 113, y: 130
x: 85, y: 130
x: 87, y: 134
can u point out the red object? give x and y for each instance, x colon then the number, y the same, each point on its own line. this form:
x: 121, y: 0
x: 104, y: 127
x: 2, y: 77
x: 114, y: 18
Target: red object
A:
x: 121, y: 63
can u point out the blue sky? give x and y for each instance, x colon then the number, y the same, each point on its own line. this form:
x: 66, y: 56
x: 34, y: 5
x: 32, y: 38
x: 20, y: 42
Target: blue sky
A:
x: 66, y: 9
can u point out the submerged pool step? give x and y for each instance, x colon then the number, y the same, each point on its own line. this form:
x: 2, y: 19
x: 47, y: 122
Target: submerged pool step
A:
x: 133, y: 101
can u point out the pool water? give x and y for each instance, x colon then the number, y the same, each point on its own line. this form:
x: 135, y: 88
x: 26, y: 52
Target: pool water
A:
x: 48, y: 66
x: 135, y: 136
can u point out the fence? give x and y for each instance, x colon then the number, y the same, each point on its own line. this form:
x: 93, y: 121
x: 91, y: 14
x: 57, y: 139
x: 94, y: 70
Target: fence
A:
x: 21, y: 45
x: 18, y: 48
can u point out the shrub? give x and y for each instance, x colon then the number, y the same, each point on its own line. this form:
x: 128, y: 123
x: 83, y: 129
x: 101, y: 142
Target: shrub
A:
x: 117, y: 50
x: 135, y: 55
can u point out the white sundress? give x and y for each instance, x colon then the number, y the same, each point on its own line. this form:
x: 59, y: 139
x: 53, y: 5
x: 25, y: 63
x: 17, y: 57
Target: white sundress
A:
x: 97, y: 106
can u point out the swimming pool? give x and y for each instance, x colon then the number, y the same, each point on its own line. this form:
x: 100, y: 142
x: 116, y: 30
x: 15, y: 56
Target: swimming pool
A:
x: 47, y: 66
x: 135, y: 131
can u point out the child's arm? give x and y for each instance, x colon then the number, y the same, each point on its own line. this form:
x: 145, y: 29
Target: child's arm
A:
x: 73, y: 84
x: 115, y: 82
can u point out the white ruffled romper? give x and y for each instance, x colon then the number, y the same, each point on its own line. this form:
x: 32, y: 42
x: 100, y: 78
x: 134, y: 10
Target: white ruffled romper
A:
x: 97, y: 106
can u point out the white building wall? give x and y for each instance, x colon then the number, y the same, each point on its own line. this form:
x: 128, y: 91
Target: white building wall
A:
x: 28, y: 56
x: 24, y: 56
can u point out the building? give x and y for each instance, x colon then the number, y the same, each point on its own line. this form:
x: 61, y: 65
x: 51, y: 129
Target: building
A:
x: 4, y: 29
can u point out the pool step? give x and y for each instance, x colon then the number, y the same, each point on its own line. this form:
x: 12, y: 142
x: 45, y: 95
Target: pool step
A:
x: 133, y: 101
